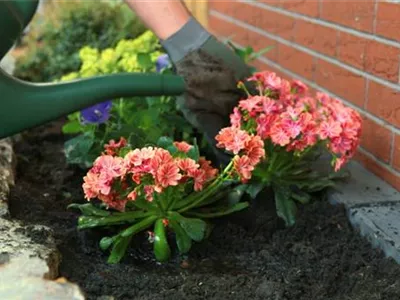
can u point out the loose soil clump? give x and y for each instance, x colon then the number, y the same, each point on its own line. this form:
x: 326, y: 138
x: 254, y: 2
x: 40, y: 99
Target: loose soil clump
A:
x: 247, y: 256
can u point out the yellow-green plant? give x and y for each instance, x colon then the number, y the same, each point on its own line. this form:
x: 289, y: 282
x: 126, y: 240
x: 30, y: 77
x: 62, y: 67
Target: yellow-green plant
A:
x: 139, y: 119
x: 56, y: 36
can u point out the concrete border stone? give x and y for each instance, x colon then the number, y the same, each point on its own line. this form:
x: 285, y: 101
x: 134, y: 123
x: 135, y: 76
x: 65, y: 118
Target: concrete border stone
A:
x: 373, y: 208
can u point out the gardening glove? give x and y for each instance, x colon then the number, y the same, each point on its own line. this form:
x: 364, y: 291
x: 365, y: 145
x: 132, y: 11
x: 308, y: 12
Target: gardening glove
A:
x: 211, y: 72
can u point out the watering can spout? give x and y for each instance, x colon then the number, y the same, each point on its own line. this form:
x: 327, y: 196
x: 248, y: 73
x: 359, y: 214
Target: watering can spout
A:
x: 25, y: 105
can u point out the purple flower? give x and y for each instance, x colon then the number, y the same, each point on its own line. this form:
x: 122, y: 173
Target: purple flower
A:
x: 97, y: 114
x: 162, y: 62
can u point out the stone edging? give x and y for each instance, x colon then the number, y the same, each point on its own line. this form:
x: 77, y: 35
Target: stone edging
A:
x: 28, y: 267
x: 373, y: 208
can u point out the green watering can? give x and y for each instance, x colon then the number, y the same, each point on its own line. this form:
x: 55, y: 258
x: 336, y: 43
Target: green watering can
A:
x: 25, y: 105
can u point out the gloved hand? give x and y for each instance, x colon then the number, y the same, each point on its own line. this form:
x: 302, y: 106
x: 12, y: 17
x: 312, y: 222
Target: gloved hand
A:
x: 211, y: 71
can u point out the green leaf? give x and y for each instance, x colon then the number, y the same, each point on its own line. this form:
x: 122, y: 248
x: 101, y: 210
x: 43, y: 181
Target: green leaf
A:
x: 89, y: 209
x: 256, y: 55
x: 74, y: 116
x: 144, y: 60
x: 165, y: 142
x: 172, y: 149
x: 236, y: 194
x: 302, y: 197
x: 72, y: 127
x: 194, y: 153
x: 161, y: 247
x: 253, y: 189
x: 183, y: 241
x: 114, y: 219
x: 77, y: 150
x: 106, y: 242
x: 119, y: 249
x: 285, y: 206
x: 195, y: 228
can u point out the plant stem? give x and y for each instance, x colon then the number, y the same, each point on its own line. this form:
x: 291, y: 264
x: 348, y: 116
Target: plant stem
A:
x: 212, y: 188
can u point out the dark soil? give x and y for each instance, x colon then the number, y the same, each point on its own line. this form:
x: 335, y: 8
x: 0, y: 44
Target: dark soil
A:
x: 247, y: 256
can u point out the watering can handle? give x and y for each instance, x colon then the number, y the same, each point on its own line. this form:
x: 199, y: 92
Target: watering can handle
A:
x: 15, y: 15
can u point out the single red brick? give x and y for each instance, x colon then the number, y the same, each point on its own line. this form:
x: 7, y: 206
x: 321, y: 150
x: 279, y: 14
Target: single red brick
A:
x: 384, y: 102
x: 341, y: 82
x: 243, y: 37
x: 355, y: 14
x: 377, y: 139
x: 317, y: 37
x: 396, y: 152
x: 351, y: 49
x: 296, y: 61
x: 305, y: 7
x: 382, y: 60
x: 378, y: 170
x: 388, y: 20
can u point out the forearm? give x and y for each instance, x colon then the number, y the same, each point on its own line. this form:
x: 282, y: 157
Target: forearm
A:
x: 163, y: 17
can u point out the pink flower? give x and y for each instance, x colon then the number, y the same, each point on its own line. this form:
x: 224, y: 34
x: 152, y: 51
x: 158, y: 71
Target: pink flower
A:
x: 272, y: 81
x: 161, y: 156
x: 110, y: 165
x: 187, y: 164
x: 148, y: 191
x: 269, y: 105
x: 104, y: 183
x: 113, y: 201
x: 329, y: 129
x: 90, y: 186
x: 139, y: 157
x: 264, y: 123
x: 112, y: 147
x: 168, y: 175
x: 279, y: 136
x: 243, y: 167
x: 309, y: 135
x: 252, y: 104
x: 182, y: 146
x: 255, y: 149
x: 284, y: 92
x: 299, y: 87
x: 232, y: 139
x: 340, y: 162
x: 236, y: 118
x: 292, y: 128
x: 133, y: 195
x: 205, y: 165
x: 199, y: 177
x: 323, y: 98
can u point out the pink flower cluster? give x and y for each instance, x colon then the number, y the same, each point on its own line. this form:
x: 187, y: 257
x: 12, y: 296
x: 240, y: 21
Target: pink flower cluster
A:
x: 285, y: 114
x: 143, y: 172
x: 248, y: 149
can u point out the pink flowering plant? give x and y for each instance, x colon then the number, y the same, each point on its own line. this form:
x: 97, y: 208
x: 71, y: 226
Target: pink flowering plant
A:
x: 158, y: 189
x: 288, y: 129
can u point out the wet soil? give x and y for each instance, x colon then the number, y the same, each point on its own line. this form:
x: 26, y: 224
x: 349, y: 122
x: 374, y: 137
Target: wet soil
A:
x: 247, y: 256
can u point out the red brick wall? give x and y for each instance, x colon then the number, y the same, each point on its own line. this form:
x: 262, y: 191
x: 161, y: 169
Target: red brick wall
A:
x: 349, y: 49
